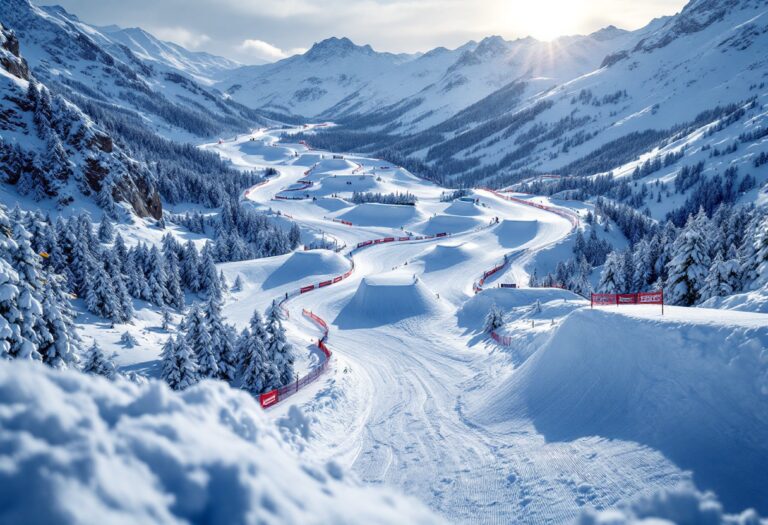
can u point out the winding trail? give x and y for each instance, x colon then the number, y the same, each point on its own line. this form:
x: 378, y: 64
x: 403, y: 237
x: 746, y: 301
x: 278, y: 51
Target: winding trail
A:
x: 393, y: 408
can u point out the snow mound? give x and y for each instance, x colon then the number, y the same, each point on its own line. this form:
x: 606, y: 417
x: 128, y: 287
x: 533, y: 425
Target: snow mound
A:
x: 449, y: 224
x: 345, y: 183
x: 299, y: 266
x: 752, y: 301
x: 332, y: 204
x: 473, y: 312
x: 385, y: 215
x: 512, y: 234
x: 307, y: 159
x: 444, y: 256
x: 78, y: 449
x: 267, y: 153
x: 676, y: 505
x: 464, y: 208
x: 696, y: 390
x: 387, y: 298
x: 329, y: 165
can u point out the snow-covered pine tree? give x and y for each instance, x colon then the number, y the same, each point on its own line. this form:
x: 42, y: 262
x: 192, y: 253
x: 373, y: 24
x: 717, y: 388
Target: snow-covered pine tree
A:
x: 60, y: 349
x: 222, y: 341
x: 687, y: 271
x: 128, y: 340
x: 721, y: 280
x: 179, y: 364
x: 97, y: 363
x: 210, y: 285
x: 174, y: 296
x: 166, y: 320
x: 494, y: 319
x: 761, y: 253
x: 198, y: 337
x: 106, y: 231
x: 190, y: 267
x: 237, y: 286
x: 612, y: 278
x: 157, y: 278
x: 100, y: 296
x: 257, y: 375
x: 279, y: 351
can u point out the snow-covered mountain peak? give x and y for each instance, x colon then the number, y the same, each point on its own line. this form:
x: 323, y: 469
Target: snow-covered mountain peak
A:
x: 335, y: 48
x: 608, y: 33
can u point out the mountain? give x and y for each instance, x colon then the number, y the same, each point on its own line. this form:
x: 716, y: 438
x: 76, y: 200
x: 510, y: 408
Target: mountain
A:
x: 683, y: 90
x: 337, y: 79
x: 129, y: 69
x: 51, y: 149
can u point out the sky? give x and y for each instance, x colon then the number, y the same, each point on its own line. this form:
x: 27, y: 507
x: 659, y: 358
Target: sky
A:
x: 259, y: 31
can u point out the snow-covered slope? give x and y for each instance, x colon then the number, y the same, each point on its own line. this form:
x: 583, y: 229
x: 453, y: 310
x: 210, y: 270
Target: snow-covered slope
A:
x: 338, y: 79
x: 82, y: 450
x: 158, y: 83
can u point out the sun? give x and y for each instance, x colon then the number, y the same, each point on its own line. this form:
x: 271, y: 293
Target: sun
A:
x: 545, y: 19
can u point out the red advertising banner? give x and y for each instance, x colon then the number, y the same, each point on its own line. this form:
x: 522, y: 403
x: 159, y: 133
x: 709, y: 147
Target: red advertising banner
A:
x: 268, y: 399
x: 607, y: 299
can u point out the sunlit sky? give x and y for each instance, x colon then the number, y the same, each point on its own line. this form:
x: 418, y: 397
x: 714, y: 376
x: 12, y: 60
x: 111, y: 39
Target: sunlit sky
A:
x: 258, y: 31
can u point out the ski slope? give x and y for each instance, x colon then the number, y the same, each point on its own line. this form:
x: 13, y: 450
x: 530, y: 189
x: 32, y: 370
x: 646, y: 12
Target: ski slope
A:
x: 417, y: 396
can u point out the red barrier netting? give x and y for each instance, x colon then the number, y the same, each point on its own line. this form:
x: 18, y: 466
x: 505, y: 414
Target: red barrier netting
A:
x: 616, y: 299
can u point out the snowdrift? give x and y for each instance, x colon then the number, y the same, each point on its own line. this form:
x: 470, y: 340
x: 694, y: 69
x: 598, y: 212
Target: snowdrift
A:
x: 267, y: 153
x: 752, y: 301
x: 345, y: 183
x: 697, y: 391
x: 385, y: 299
x: 328, y: 165
x: 444, y: 256
x: 78, y: 449
x: 332, y: 204
x: 512, y: 234
x: 450, y: 224
x: 467, y: 209
x: 299, y: 266
x: 385, y: 215
x: 472, y: 313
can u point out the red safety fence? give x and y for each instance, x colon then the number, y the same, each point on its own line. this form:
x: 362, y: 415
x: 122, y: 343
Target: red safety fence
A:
x: 616, y: 299
x: 573, y: 218
x: 503, y: 340
x: 342, y: 221
x: 275, y: 396
x: 358, y: 168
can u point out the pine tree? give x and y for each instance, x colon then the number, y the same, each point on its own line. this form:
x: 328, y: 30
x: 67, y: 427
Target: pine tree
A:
x: 721, y: 280
x: 59, y: 350
x: 209, y: 276
x: 157, y: 278
x: 100, y: 296
x: 179, y: 365
x: 237, y: 286
x: 97, y: 363
x: 494, y: 319
x: 166, y: 319
x: 687, y: 271
x: 612, y: 278
x: 106, y: 231
x: 222, y: 342
x: 279, y: 351
x: 190, y: 267
x: 257, y: 375
x: 761, y: 253
x: 174, y: 296
x: 198, y: 338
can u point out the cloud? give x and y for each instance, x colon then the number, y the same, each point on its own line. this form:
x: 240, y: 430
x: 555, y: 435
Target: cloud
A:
x: 262, y: 50
x: 181, y: 36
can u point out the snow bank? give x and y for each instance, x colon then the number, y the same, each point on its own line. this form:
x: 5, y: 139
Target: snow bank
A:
x: 386, y: 215
x: 300, y: 266
x: 696, y: 390
x: 463, y: 208
x: 81, y: 450
x: 332, y: 203
x: 387, y: 298
x: 444, y: 256
x: 329, y: 165
x: 752, y: 301
x: 472, y: 313
x: 267, y: 153
x: 512, y: 234
x: 449, y: 224
x: 676, y: 505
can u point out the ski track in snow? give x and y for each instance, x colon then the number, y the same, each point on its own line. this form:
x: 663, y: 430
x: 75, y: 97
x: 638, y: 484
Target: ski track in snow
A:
x: 399, y: 417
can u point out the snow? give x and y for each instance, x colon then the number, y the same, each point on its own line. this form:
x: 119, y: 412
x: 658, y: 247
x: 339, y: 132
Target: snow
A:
x: 78, y: 449
x: 701, y: 377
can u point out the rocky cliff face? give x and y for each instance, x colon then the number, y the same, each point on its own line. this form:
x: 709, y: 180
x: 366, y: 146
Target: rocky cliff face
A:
x: 50, y: 149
